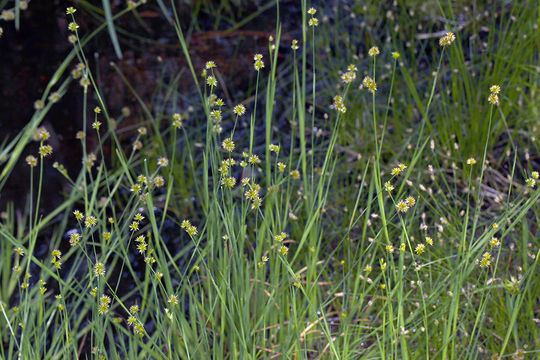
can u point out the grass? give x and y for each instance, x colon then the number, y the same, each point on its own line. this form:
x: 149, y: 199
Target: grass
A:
x: 341, y: 221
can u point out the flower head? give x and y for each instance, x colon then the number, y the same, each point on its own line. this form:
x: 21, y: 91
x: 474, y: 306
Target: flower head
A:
x: 420, y: 248
x: 73, y: 26
x: 374, y: 51
x: 173, y: 299
x: 31, y: 160
x: 259, y: 64
x: 402, y: 206
x: 493, y: 99
x: 313, y: 22
x: 495, y: 89
x: 228, y: 144
x: 339, y: 105
x: 90, y: 221
x: 45, y: 150
x: 163, y: 161
x: 99, y: 269
x: 239, y: 110
x: 447, y: 39
x: 370, y: 84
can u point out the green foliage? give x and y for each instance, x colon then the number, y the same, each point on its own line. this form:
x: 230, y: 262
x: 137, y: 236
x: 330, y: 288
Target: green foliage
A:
x: 357, y: 205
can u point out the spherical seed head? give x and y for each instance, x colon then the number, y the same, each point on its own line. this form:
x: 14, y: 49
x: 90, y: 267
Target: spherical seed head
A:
x: 254, y: 159
x: 134, y: 226
x: 185, y: 224
x: 31, y: 160
x: 373, y: 51
x: 54, y: 97
x: 90, y: 221
x: 99, y: 269
x: 471, y: 161
x: 420, y: 248
x: 447, y: 39
x: 158, y: 181
x: 283, y: 250
x: 163, y: 161
x: 370, y: 84
x: 390, y: 248
x: 228, y: 182
x: 339, y: 104
x: 239, y: 110
x: 42, y: 134
x: 396, y: 55
x: 173, y: 299
x: 494, y: 242
x: 388, y: 187
x: 411, y: 201
x: 295, y: 174
x: 70, y: 10
x: 313, y: 22
x: 402, y: 206
x: 39, y: 104
x: 281, y: 166
x: 78, y: 215
x: 45, y: 150
x: 312, y: 11
x: 495, y: 89
x: 212, y: 81
x: 429, y: 241
x: 210, y: 65
x: 348, y: 77
x: 493, y: 99
x: 74, y: 239
x: 259, y: 64
x: 273, y: 148
x: 228, y: 144
x: 7, y: 15
x: 73, y: 26
x: 192, y: 230
x: 251, y: 194
x: 531, y: 183
x: 484, y: 262
x: 215, y: 115
x: 84, y: 82
x: 103, y: 309
x: 142, y: 130
x: 294, y: 45
x: 177, y: 124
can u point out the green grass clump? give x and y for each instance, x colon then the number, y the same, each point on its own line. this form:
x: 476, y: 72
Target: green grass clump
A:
x: 334, y: 213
